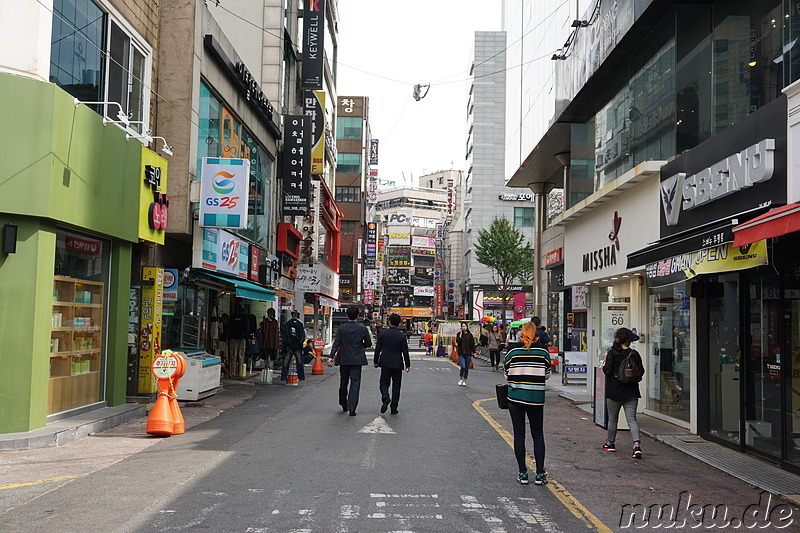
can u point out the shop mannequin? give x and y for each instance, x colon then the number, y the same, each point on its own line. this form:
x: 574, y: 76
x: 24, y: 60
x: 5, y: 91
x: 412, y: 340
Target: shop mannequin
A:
x: 269, y: 338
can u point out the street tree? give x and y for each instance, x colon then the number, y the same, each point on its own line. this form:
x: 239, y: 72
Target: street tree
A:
x: 505, y: 251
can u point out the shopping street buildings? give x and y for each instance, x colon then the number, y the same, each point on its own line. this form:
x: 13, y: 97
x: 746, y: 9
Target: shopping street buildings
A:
x: 152, y: 189
x: 670, y: 132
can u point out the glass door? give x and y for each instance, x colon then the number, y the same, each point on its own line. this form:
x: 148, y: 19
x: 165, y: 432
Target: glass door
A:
x: 763, y: 376
x: 724, y: 359
x: 791, y: 299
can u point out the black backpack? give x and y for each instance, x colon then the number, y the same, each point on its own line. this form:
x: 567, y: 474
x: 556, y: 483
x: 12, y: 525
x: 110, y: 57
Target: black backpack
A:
x: 628, y: 371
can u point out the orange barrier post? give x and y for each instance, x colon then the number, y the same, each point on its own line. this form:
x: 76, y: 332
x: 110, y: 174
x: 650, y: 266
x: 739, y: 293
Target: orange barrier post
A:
x: 319, y: 346
x: 179, y: 427
x: 161, y: 421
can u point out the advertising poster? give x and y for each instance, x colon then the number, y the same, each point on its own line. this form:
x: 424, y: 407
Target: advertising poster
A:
x: 150, y: 326
x: 398, y: 276
x: 399, y: 235
x: 722, y: 258
x: 613, y: 316
x: 580, y: 298
x: 224, y: 193
x: 314, y: 109
x: 399, y: 256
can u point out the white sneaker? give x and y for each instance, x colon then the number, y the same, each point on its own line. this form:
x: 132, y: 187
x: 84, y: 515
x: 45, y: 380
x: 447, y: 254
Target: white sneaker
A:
x: 460, y: 382
x: 464, y: 383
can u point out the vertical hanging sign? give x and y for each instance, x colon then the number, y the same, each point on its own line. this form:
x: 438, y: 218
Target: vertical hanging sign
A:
x: 313, y: 44
x: 373, y: 151
x: 296, y: 167
x: 150, y: 325
x: 314, y: 109
x: 224, y: 192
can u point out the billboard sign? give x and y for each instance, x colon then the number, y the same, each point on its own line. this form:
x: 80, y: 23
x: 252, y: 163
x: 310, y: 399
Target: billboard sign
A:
x: 224, y: 192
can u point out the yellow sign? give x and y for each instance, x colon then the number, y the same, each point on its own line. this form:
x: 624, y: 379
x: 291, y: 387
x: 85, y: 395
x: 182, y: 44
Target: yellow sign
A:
x: 722, y: 258
x: 150, y: 325
x: 413, y: 312
x: 318, y: 149
x: 153, y: 199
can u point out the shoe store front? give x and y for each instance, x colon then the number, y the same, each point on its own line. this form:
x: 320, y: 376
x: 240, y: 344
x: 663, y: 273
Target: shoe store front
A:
x: 727, y: 311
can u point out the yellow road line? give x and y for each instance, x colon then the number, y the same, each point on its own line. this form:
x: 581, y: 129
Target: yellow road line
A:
x: 559, y: 491
x: 39, y: 482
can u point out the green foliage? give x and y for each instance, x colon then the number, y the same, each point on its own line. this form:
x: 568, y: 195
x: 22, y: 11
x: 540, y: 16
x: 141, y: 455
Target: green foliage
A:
x: 503, y: 249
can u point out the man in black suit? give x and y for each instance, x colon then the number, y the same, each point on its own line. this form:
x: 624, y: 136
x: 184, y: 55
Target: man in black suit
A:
x: 348, y: 352
x: 391, y: 352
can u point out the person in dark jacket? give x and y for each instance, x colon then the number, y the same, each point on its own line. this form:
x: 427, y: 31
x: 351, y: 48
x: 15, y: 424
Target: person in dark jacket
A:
x: 618, y: 394
x: 293, y: 336
x: 465, y: 344
x: 348, y: 352
x: 391, y: 354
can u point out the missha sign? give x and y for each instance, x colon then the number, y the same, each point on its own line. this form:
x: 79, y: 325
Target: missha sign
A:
x: 736, y: 171
x: 597, y: 244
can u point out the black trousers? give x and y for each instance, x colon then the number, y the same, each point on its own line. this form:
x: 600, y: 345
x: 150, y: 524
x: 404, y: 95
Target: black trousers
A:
x: 349, y: 374
x: 395, y: 377
x: 535, y: 414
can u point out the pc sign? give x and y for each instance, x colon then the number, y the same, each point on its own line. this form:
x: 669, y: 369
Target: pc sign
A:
x: 224, y: 192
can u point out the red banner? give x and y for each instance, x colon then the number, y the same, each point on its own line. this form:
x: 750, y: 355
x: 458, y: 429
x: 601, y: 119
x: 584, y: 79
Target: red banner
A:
x: 368, y: 296
x: 519, y: 306
x: 439, y: 300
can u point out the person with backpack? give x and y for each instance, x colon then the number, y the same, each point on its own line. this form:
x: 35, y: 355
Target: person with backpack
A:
x: 624, y: 369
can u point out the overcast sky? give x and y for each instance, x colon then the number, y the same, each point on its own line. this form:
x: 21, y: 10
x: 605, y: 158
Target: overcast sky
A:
x: 387, y: 47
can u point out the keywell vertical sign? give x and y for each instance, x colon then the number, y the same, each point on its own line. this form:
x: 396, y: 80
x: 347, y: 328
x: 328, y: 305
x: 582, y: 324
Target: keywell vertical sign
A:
x: 313, y: 44
x: 296, y: 166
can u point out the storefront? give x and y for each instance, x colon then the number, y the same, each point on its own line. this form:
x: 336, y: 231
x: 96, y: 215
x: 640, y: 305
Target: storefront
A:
x: 70, y: 213
x: 725, y: 311
x: 604, y: 294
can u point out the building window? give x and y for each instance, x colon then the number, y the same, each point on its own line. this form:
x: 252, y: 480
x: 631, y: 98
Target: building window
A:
x: 348, y: 163
x: 524, y: 217
x: 348, y: 128
x: 348, y: 227
x: 346, y: 265
x: 93, y: 58
x: 348, y: 195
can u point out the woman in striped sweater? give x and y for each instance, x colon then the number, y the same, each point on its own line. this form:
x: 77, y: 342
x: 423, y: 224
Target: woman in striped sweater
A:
x: 527, y: 368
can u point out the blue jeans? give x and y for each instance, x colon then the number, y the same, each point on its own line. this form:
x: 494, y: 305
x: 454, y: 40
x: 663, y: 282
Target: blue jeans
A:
x: 298, y: 357
x: 463, y: 362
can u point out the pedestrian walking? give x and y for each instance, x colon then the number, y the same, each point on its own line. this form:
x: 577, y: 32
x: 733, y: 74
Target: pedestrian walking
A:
x: 623, y: 391
x: 527, y: 368
x: 294, y: 334
x: 544, y: 337
x: 429, y: 342
x: 391, y: 355
x: 348, y: 353
x: 465, y: 344
x: 494, y: 341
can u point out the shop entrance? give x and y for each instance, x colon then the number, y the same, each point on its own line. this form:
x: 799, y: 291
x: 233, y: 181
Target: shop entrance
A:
x: 763, y: 377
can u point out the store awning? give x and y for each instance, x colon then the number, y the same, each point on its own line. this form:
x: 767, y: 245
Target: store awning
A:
x: 328, y: 302
x: 674, y: 246
x: 774, y: 223
x: 244, y: 289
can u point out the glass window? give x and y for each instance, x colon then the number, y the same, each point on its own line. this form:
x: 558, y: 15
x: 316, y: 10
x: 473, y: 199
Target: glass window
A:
x: 95, y: 59
x: 346, y: 265
x: 670, y: 342
x: 348, y: 128
x: 724, y: 358
x: 348, y: 227
x: 347, y: 195
x: 348, y: 163
x: 77, y: 350
x: 524, y: 217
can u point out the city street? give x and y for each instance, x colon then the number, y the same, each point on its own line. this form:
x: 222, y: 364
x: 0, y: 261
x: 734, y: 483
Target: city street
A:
x: 287, y: 459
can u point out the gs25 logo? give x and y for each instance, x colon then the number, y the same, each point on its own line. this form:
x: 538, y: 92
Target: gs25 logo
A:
x: 228, y: 202
x: 230, y: 253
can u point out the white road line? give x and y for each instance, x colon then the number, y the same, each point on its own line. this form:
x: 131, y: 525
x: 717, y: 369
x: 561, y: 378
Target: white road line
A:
x: 535, y: 515
x: 470, y: 504
x: 378, y: 425
x: 371, y: 455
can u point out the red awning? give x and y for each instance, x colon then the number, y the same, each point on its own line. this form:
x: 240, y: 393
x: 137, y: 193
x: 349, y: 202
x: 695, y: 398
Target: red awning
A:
x: 773, y: 223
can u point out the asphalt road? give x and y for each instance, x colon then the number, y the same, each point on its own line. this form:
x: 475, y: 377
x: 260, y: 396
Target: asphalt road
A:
x: 286, y: 459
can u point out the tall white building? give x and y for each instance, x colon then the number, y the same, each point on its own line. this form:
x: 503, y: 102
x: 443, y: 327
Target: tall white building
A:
x: 485, y: 195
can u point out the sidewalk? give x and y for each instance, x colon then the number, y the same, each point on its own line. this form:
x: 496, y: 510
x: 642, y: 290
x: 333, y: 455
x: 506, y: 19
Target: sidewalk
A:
x: 754, y: 471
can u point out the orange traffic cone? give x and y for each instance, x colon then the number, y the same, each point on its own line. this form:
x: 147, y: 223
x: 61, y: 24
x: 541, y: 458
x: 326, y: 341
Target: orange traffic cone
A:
x: 160, y: 422
x: 291, y: 378
x: 316, y: 369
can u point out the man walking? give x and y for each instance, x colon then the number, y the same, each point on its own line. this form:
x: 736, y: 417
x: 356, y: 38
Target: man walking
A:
x: 391, y: 352
x: 348, y: 352
x: 293, y: 336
